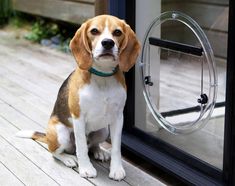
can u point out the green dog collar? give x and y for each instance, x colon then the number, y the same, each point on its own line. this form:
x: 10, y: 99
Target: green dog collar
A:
x: 103, y: 74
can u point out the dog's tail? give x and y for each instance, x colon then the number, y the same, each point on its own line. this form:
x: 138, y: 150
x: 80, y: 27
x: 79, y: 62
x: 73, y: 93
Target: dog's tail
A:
x: 39, y: 136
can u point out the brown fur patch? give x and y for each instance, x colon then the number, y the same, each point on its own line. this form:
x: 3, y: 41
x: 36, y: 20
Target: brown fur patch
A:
x: 61, y: 109
x: 53, y: 120
x: 120, y: 78
x: 80, y: 47
x: 129, y: 50
x: 78, y: 80
x: 52, y: 135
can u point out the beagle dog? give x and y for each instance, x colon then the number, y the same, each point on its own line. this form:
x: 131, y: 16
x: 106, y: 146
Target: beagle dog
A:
x: 91, y: 100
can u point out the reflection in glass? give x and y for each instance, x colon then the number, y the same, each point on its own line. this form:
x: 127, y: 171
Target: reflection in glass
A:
x: 176, y: 78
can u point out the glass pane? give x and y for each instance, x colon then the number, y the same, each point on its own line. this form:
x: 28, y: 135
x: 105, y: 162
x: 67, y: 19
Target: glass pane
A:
x: 177, y: 78
x: 172, y: 55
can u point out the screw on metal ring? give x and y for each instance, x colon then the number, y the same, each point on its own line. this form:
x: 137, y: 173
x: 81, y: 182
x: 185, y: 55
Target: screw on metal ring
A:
x: 203, y: 99
x: 148, y: 81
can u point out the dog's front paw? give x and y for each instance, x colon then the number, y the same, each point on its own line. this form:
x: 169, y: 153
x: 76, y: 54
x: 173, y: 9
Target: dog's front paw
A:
x: 117, y: 173
x: 87, y: 171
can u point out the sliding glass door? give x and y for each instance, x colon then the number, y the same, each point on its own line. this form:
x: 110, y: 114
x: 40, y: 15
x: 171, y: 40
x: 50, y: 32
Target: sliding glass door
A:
x: 178, y: 78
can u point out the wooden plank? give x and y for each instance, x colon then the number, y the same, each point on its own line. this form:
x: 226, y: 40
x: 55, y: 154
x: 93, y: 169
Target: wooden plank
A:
x: 132, y: 178
x: 208, y: 16
x: 131, y: 171
x: 29, y: 86
x: 40, y: 61
x: 22, y: 99
x: 38, y: 76
x: 18, y: 119
x: 103, y: 176
x: 44, y: 57
x: 49, y: 60
x: 8, y: 39
x: 215, y: 2
x: 39, y: 157
x: 101, y: 7
x: 143, y: 178
x: 218, y: 40
x: 16, y: 90
x: 27, y: 109
x: 55, y: 72
x: 12, y: 90
x: 54, y: 62
x: 212, y: 17
x: 19, y: 164
x: 74, y: 12
x: 7, y: 177
x: 19, y: 70
x: 28, y: 95
x: 82, y: 1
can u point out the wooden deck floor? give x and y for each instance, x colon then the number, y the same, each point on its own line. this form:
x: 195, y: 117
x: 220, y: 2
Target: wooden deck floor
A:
x: 30, y: 76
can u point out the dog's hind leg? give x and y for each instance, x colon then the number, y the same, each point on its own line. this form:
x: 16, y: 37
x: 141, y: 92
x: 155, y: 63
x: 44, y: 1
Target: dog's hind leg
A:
x: 68, y: 159
x: 59, y: 142
x: 94, y: 140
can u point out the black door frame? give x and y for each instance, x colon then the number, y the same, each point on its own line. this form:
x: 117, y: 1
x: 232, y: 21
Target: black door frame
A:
x: 163, y: 155
x: 229, y: 134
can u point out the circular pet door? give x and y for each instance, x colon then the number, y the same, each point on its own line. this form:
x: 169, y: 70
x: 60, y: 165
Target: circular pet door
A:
x: 179, y: 76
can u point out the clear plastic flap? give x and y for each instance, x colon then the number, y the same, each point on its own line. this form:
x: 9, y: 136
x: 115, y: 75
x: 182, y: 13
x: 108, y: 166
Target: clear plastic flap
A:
x: 179, y: 78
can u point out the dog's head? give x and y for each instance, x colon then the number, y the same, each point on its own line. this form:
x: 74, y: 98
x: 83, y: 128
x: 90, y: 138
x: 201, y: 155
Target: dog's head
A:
x: 105, y: 42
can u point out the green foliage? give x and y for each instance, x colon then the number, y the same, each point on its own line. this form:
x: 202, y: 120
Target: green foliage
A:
x: 17, y: 20
x: 57, y: 36
x: 41, y: 30
x: 44, y: 31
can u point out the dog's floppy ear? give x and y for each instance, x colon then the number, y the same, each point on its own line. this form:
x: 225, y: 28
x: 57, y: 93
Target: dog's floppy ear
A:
x: 80, y: 48
x: 129, y: 50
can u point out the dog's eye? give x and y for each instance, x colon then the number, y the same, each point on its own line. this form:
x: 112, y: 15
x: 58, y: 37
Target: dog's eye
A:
x: 117, y: 32
x: 95, y: 31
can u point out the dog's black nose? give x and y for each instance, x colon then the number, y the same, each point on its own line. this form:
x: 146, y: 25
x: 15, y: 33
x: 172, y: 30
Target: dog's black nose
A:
x: 107, y: 43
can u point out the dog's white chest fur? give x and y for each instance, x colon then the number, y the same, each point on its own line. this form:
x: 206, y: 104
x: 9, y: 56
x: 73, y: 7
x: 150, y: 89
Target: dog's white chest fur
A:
x: 101, y: 102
